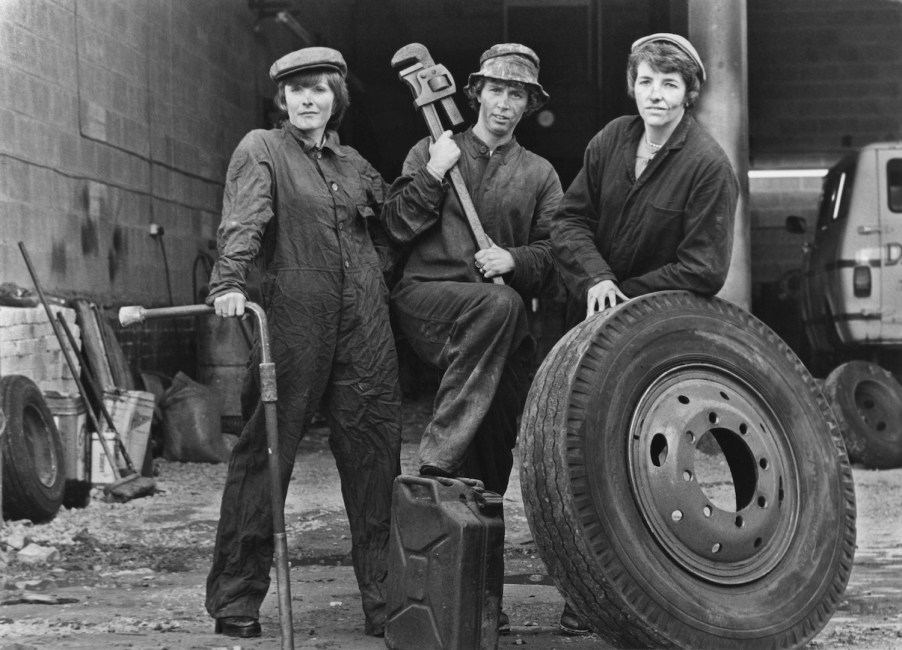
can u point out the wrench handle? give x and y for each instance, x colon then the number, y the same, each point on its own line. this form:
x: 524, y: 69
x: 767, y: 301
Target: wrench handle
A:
x: 460, y: 187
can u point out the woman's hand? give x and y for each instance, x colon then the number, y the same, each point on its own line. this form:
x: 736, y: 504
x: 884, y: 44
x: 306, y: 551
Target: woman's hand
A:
x: 494, y: 261
x: 443, y: 154
x: 603, y: 295
x: 229, y: 304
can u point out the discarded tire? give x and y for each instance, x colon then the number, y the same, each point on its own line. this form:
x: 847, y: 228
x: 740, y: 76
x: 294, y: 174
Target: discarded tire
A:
x: 620, y: 512
x: 867, y: 402
x: 33, y: 465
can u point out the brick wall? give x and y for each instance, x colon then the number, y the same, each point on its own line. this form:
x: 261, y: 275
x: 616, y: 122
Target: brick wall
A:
x: 29, y: 347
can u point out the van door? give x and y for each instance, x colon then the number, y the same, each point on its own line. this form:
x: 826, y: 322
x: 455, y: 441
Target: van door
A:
x: 823, y: 304
x: 889, y: 199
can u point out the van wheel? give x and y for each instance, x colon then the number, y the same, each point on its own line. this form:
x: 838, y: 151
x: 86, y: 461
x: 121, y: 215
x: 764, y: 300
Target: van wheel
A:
x: 34, y: 472
x: 867, y: 402
x: 650, y: 545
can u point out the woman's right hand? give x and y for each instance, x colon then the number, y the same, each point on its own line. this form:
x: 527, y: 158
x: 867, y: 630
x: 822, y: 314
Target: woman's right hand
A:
x: 229, y: 304
x: 603, y: 295
x: 443, y: 154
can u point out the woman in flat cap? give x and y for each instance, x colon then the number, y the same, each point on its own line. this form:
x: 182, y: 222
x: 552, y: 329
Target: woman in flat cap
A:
x: 653, y: 206
x: 302, y: 205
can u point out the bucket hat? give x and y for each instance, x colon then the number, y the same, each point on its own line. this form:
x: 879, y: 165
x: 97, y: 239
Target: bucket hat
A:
x: 678, y: 41
x: 509, y: 62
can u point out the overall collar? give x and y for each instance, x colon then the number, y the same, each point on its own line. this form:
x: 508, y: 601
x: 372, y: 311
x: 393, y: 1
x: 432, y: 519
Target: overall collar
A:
x: 330, y: 140
x: 479, y: 148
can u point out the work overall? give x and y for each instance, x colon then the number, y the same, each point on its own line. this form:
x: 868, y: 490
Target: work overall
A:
x: 475, y: 331
x: 307, y: 210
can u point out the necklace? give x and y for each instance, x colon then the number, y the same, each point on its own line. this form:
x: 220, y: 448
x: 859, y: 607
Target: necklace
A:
x: 654, y: 147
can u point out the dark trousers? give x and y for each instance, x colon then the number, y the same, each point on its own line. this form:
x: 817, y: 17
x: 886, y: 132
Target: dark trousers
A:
x: 347, y: 366
x: 477, y: 333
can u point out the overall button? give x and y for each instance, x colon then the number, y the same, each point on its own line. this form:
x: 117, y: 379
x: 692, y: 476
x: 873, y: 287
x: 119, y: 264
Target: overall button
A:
x: 319, y: 154
x: 347, y: 264
x: 334, y: 187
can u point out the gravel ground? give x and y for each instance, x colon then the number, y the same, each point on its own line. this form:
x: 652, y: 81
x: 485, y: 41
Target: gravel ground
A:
x: 142, y: 565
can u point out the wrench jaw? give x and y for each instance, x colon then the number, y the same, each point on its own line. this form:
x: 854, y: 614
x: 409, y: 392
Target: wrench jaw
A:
x: 412, y: 53
x: 429, y: 82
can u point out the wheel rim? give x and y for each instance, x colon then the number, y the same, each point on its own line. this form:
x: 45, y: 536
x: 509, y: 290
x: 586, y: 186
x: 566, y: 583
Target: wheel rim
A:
x: 40, y: 446
x: 874, y: 402
x: 700, y: 534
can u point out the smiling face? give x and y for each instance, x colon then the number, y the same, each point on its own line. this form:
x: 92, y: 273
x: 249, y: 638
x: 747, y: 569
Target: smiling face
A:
x: 660, y: 97
x: 501, y: 107
x: 309, y: 106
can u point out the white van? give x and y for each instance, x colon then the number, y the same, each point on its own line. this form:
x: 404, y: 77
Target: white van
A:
x: 851, y: 295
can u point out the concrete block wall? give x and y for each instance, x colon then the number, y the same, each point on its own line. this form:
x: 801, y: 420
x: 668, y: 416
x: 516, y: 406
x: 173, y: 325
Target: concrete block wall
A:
x: 824, y: 76
x: 776, y: 252
x: 29, y: 347
x: 117, y: 114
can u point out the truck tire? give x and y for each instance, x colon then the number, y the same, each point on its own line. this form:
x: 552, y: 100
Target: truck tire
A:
x: 34, y: 474
x: 615, y: 496
x: 867, y: 402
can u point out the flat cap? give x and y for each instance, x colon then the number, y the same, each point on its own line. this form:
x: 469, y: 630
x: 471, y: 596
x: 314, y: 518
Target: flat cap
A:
x: 678, y: 41
x: 308, y: 58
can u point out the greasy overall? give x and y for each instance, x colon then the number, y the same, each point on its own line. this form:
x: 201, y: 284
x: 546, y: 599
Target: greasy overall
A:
x: 306, y: 212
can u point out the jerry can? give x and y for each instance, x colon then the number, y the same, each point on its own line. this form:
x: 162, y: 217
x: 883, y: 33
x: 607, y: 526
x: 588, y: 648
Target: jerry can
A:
x: 445, y: 565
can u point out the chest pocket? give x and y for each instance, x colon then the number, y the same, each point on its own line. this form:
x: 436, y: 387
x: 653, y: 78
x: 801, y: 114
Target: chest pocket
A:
x: 661, y: 234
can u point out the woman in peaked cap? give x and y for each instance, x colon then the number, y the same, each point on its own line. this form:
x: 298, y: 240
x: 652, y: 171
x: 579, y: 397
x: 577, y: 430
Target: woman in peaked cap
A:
x: 304, y: 207
x: 653, y: 206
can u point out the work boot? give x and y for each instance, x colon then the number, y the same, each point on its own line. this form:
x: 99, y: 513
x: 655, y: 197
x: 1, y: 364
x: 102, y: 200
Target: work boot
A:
x: 243, y: 627
x: 504, y: 624
x: 434, y: 472
x: 571, y: 624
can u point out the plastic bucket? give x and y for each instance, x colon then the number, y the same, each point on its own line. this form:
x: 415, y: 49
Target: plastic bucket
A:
x: 70, y: 417
x: 102, y: 472
x: 132, y: 414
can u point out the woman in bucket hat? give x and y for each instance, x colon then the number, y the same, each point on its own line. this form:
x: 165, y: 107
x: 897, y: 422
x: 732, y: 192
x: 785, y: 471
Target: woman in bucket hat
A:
x: 653, y: 206
x: 445, y: 305
x: 304, y: 205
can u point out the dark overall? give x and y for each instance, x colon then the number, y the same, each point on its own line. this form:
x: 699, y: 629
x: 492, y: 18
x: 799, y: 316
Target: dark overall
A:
x: 306, y: 212
x: 475, y: 331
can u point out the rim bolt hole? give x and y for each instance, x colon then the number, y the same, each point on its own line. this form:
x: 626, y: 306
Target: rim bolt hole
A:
x: 743, y: 428
x: 687, y: 475
x: 676, y: 515
x: 682, y: 399
x: 762, y: 463
x: 707, y: 511
x: 762, y: 501
x: 725, y: 396
x: 739, y: 522
x: 712, y: 418
x: 758, y: 542
x: 690, y: 437
x: 716, y: 548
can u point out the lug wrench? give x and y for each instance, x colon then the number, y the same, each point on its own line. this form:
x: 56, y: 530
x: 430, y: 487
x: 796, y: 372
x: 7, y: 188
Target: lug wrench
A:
x: 136, y: 314
x: 432, y: 84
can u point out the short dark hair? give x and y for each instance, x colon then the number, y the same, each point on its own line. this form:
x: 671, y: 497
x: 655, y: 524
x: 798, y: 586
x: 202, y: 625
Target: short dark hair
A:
x: 309, y: 78
x: 533, y: 102
x: 664, y: 57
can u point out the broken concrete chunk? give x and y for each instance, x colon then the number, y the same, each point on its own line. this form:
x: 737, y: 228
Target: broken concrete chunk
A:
x: 35, y: 554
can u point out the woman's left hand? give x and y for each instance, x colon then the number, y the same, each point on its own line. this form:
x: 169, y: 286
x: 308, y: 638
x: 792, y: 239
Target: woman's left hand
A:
x: 494, y: 261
